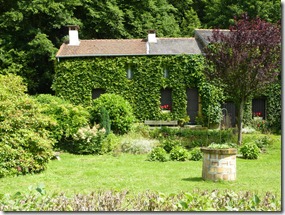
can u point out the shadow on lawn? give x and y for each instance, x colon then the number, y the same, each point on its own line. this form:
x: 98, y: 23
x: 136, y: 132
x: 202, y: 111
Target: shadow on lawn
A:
x: 193, y: 179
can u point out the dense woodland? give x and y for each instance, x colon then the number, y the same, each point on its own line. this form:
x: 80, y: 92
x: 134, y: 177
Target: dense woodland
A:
x: 33, y: 30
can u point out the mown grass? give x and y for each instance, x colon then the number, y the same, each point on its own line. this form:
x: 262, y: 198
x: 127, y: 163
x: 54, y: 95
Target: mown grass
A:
x: 85, y: 174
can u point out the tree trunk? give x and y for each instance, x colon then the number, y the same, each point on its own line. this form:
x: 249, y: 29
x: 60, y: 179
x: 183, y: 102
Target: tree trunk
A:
x: 239, y: 120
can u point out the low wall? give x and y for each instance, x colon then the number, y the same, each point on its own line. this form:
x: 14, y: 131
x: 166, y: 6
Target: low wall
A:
x: 219, y: 164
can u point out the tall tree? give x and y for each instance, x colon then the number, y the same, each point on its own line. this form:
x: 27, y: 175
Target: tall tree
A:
x: 220, y: 13
x: 31, y: 31
x: 244, y: 60
x: 186, y: 16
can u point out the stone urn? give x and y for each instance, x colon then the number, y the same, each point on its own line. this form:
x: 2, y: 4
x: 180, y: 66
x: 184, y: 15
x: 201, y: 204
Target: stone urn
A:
x: 219, y: 164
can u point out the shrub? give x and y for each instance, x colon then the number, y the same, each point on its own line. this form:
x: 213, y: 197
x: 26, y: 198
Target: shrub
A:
x: 263, y: 142
x: 88, y: 140
x: 157, y: 154
x: 250, y: 150
x: 179, y: 153
x: 120, y: 112
x: 196, y: 154
x: 168, y: 144
x: 109, y: 143
x: 25, y: 143
x: 69, y: 118
x: 137, y: 146
x: 110, y: 200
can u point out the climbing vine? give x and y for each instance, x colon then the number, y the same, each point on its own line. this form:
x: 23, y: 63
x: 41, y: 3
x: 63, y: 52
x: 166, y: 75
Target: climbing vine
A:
x: 76, y: 78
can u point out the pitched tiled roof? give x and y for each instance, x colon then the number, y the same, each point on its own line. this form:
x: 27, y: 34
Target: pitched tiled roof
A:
x: 124, y: 47
x: 103, y: 48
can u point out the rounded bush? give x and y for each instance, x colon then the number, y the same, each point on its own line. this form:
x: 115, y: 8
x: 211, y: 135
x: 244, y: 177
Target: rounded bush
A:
x: 88, y: 140
x: 196, y: 154
x: 69, y: 118
x: 120, y: 112
x: 157, y: 154
x: 25, y: 143
x: 179, y: 153
x: 168, y: 144
x: 250, y: 150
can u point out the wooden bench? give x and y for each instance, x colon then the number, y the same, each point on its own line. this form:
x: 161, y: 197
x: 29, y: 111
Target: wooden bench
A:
x: 161, y: 122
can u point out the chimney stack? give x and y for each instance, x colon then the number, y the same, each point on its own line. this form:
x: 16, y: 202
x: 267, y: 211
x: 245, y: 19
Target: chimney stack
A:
x: 151, y: 37
x: 73, y: 35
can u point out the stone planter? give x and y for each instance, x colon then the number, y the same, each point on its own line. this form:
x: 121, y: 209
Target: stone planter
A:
x: 219, y: 164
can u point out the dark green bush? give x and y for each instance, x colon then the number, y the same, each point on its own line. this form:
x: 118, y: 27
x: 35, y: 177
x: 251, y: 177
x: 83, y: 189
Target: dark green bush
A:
x: 69, y: 118
x: 250, y: 150
x: 178, y: 153
x: 119, y: 110
x: 168, y: 144
x: 157, y: 154
x: 196, y: 154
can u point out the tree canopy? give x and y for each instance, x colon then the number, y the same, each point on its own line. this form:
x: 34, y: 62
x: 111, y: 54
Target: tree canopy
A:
x: 244, y: 60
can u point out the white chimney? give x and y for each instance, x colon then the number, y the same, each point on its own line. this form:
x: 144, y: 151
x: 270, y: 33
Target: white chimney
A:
x: 151, y: 37
x: 73, y: 35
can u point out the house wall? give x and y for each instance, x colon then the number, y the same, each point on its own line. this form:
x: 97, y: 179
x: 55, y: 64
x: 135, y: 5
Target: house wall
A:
x: 77, y: 78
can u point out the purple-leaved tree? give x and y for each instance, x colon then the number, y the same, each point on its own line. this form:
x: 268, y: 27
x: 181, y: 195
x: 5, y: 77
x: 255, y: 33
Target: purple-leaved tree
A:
x: 244, y: 60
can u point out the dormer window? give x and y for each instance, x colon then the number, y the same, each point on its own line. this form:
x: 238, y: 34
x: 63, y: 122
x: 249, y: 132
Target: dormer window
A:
x: 130, y: 72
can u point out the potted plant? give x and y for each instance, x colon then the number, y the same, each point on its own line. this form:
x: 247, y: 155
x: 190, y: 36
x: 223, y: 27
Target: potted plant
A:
x: 257, y: 116
x: 165, y: 108
x: 219, y: 162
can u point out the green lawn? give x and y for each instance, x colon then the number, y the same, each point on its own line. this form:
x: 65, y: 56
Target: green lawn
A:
x: 84, y: 174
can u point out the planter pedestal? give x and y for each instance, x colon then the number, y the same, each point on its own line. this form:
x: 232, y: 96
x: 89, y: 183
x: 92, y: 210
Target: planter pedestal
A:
x: 219, y: 164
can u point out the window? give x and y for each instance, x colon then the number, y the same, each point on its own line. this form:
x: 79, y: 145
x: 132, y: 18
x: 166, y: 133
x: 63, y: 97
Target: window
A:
x: 165, y: 72
x: 97, y: 92
x: 258, y: 107
x: 166, y: 98
x: 130, y: 72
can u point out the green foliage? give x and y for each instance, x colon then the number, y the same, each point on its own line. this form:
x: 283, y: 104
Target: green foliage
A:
x: 168, y: 144
x: 260, y: 125
x: 109, y: 143
x: 69, y: 118
x: 263, y: 142
x: 273, y: 107
x: 12, y: 86
x: 179, y: 153
x: 219, y: 146
x: 76, y: 78
x: 250, y: 150
x: 120, y: 112
x: 191, y: 138
x: 37, y: 199
x: 220, y: 13
x: 25, y: 143
x: 88, y: 140
x: 105, y: 120
x: 137, y: 146
x: 157, y: 154
x: 196, y: 154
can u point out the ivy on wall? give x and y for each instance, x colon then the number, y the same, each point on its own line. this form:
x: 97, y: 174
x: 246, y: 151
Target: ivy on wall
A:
x: 76, y: 78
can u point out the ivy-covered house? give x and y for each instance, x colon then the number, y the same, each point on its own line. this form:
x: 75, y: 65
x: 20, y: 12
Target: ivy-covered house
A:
x: 152, y: 74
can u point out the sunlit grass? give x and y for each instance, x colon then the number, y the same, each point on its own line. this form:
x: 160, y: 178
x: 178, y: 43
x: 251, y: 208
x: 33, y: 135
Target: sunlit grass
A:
x: 84, y: 174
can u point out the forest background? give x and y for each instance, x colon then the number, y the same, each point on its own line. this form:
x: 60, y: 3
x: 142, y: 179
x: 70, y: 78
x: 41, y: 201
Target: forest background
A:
x: 31, y: 31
